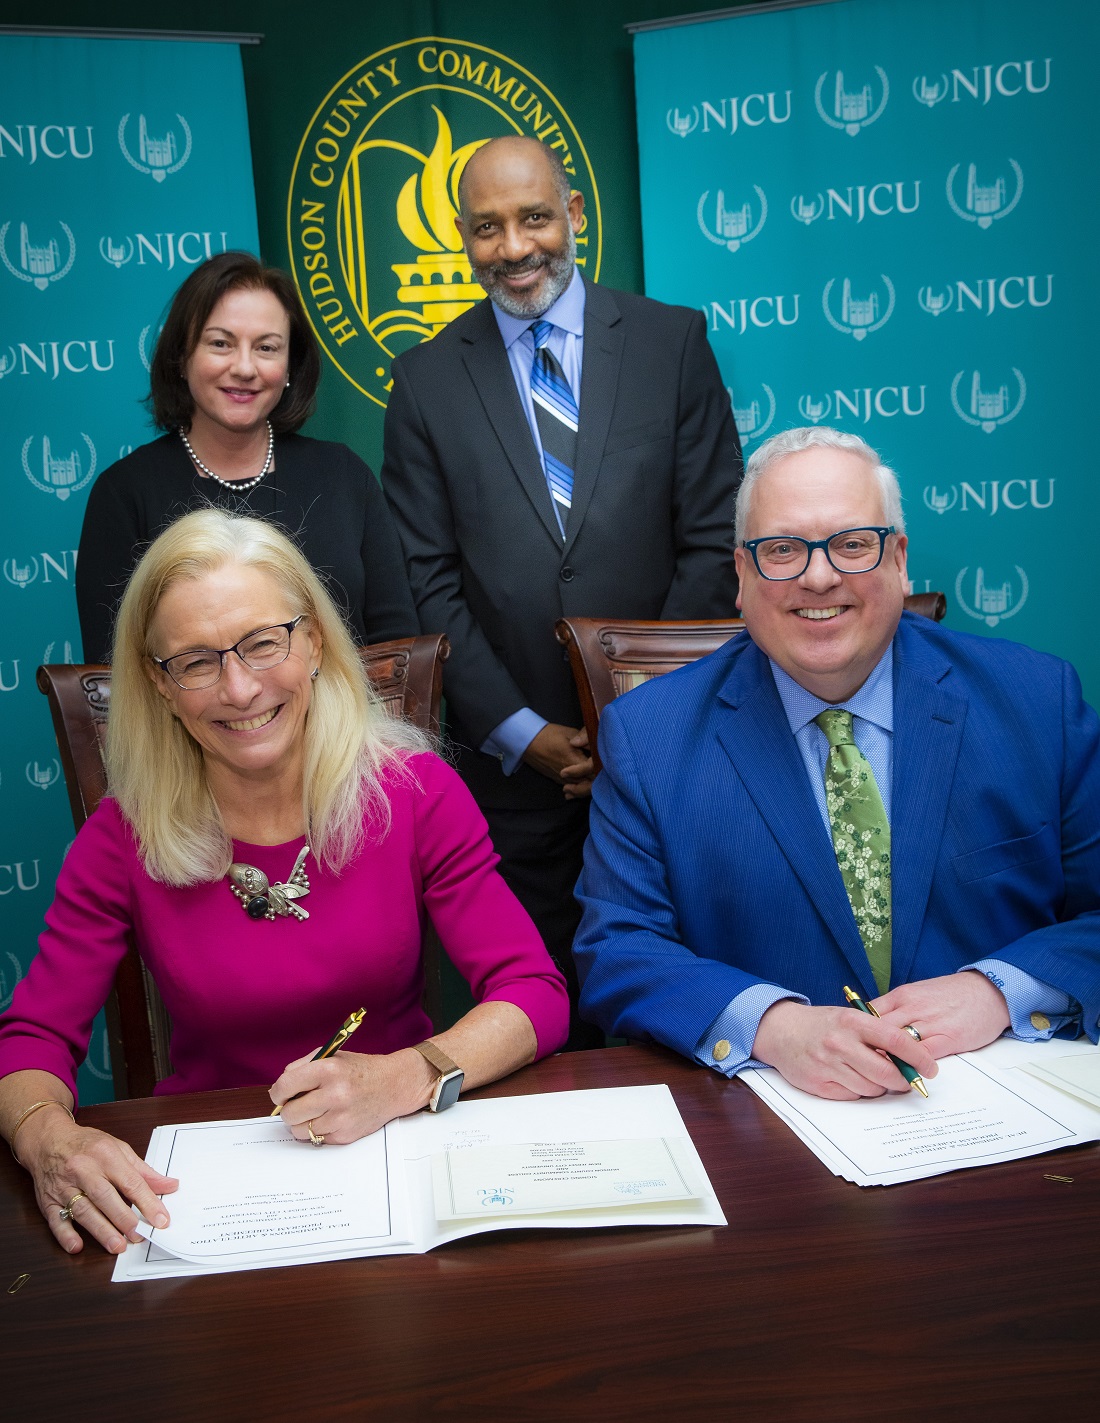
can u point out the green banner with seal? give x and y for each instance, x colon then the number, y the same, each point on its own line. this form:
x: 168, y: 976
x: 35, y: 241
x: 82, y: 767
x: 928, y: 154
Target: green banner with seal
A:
x: 374, y: 195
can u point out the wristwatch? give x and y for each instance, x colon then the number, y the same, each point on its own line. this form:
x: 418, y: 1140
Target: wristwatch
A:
x: 450, y: 1076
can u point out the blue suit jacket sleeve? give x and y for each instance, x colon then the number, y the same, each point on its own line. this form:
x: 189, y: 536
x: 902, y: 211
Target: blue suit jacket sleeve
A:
x: 639, y: 979
x: 1066, y: 952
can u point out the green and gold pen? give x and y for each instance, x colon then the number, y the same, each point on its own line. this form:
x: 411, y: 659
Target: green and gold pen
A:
x: 911, y: 1075
x: 335, y: 1043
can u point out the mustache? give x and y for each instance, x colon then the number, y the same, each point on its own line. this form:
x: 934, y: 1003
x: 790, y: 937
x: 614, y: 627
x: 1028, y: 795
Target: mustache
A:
x: 530, y: 263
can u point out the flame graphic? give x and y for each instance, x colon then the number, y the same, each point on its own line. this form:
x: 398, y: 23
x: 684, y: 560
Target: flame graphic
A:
x: 437, y: 183
x: 439, y: 285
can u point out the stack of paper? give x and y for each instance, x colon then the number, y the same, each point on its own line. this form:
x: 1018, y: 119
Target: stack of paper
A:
x: 1076, y: 1073
x: 983, y: 1107
x: 251, y: 1196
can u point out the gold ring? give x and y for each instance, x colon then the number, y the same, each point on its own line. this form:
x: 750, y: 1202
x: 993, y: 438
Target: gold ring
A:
x: 314, y: 1138
x: 908, y: 1028
x: 67, y: 1210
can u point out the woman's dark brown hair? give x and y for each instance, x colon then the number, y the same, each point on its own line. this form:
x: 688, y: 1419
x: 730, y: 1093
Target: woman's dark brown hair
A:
x: 170, y: 399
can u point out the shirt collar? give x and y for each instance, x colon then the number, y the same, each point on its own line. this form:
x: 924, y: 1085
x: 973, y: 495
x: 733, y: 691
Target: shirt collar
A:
x: 874, y: 702
x: 566, y: 313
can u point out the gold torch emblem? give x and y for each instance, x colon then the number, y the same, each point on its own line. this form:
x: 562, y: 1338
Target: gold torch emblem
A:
x: 439, y: 285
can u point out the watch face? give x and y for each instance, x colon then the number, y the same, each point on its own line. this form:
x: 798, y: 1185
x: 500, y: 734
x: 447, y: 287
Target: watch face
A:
x: 447, y: 1090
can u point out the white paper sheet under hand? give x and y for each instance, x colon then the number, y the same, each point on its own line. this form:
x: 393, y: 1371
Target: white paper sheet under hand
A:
x: 980, y: 1110
x: 251, y: 1196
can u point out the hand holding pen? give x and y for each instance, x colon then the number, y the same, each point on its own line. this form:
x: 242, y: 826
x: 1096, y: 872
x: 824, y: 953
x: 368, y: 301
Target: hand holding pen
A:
x: 911, y: 1075
x: 333, y: 1045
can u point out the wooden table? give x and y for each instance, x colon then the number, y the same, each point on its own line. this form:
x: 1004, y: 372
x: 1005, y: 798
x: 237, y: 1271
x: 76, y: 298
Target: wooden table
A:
x: 971, y: 1296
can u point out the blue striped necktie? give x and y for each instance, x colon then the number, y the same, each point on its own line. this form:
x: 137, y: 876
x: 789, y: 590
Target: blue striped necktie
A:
x: 557, y: 416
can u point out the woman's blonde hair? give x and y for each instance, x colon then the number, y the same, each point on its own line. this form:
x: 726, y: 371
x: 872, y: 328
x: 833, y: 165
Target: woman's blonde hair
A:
x: 155, y: 769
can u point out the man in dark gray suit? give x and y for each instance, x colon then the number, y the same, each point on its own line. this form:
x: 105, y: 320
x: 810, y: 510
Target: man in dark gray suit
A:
x: 561, y: 449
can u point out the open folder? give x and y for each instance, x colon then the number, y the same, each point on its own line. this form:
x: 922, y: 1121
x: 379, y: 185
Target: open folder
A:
x: 251, y: 1196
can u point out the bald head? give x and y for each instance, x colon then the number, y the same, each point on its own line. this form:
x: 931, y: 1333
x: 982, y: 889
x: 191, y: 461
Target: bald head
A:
x: 518, y: 219
x: 513, y: 157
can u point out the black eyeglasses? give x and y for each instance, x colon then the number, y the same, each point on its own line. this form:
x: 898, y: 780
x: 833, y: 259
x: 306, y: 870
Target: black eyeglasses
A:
x: 264, y: 648
x: 784, y: 556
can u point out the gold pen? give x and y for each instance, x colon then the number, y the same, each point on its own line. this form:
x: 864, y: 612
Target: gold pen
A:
x: 332, y: 1045
x: 911, y: 1075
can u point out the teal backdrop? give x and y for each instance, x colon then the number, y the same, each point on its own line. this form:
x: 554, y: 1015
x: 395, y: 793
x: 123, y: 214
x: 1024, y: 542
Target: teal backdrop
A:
x: 115, y: 180
x: 885, y: 209
x: 580, y: 56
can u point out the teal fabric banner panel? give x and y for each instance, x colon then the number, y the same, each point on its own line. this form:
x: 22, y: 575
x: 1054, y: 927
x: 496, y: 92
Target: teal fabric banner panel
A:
x: 123, y: 164
x: 886, y: 210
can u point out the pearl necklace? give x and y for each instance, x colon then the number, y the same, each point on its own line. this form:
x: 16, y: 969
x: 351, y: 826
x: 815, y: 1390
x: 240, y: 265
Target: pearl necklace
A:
x: 239, y: 485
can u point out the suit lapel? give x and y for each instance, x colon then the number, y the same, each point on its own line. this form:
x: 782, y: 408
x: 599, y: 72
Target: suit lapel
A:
x: 486, y: 361
x: 603, y: 354
x: 928, y: 728
x: 756, y: 735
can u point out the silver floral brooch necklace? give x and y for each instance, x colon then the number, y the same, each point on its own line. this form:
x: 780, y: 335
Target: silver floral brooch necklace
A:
x: 262, y: 899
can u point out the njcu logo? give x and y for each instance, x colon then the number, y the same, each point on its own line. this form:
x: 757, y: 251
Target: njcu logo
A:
x: 984, y: 202
x: 157, y: 154
x: 735, y: 225
x: 116, y: 253
x: 754, y: 420
x: 682, y: 124
x: 860, y: 313
x: 850, y: 108
x: 991, y: 602
x: 39, y: 262
x: 990, y: 403
x: 42, y: 777
x: 370, y: 216
x: 930, y: 92
x: 62, y: 473
x: 21, y: 575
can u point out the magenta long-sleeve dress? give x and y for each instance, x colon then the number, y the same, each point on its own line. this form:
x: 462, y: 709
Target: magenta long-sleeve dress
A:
x: 247, y: 997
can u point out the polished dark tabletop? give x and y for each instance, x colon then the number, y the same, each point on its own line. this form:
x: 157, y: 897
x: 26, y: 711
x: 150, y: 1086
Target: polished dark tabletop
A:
x: 973, y: 1296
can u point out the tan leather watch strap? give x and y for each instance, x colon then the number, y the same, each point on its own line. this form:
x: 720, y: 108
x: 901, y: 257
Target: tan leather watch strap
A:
x: 436, y: 1056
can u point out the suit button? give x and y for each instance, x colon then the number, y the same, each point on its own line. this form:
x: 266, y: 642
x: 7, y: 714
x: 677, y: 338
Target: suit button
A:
x: 721, y: 1050
x: 566, y: 574
x: 1040, y: 1022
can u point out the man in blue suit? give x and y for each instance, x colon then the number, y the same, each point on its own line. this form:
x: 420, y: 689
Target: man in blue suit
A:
x: 847, y: 794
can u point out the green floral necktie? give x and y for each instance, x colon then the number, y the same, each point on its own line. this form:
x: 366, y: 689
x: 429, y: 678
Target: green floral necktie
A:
x: 861, y: 838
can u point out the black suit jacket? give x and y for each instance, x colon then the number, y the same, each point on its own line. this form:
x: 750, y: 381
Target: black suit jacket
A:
x: 649, y: 534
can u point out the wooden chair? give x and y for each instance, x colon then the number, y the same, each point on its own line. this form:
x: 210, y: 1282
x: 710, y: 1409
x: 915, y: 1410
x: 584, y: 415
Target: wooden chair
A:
x: 408, y: 676
x: 610, y: 656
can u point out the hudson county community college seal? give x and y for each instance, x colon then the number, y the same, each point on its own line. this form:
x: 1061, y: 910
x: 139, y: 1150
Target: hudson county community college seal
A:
x: 374, y: 195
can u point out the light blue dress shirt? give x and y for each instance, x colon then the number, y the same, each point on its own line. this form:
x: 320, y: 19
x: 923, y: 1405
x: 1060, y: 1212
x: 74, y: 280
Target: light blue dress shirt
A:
x: 512, y: 737
x: 872, y: 709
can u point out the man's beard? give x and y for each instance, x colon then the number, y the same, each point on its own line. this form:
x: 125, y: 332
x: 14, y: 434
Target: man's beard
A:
x: 529, y: 305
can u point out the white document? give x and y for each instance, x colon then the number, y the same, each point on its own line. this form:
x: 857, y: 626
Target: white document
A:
x: 247, y: 1189
x: 1078, y: 1075
x: 533, y: 1178
x: 251, y: 1196
x: 981, y: 1108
